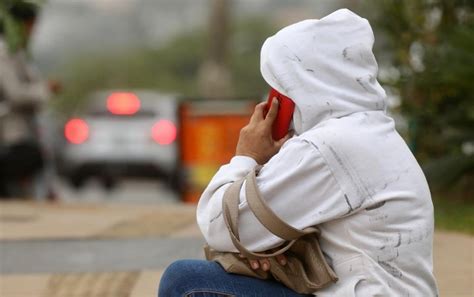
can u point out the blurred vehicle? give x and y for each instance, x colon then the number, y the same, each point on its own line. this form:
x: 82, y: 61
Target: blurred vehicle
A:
x: 123, y: 134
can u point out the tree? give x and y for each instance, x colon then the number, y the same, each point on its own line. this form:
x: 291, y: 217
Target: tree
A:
x: 172, y: 68
x: 431, y: 43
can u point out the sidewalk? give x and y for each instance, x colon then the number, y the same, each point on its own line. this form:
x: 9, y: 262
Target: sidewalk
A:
x: 29, y: 220
x: 453, y: 254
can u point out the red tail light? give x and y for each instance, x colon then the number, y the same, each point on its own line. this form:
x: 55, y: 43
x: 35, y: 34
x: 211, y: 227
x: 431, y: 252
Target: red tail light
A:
x: 123, y: 103
x: 76, y: 131
x: 164, y: 132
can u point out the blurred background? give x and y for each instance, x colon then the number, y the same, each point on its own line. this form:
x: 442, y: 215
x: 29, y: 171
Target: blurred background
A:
x: 115, y: 114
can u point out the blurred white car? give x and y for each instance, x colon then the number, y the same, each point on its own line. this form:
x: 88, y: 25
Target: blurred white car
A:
x: 123, y: 133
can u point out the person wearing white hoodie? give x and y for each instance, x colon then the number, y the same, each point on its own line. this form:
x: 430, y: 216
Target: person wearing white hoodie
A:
x: 346, y: 170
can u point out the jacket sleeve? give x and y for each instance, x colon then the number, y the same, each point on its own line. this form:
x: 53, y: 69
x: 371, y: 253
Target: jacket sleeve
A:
x: 297, y: 185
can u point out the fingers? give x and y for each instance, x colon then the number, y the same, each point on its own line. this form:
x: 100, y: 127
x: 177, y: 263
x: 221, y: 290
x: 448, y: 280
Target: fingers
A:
x: 280, y: 142
x: 254, y: 264
x: 265, y: 264
x: 258, y: 112
x: 273, y: 112
x: 281, y: 259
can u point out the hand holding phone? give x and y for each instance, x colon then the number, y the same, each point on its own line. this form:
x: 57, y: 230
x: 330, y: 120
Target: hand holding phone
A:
x: 255, y: 140
x: 286, y: 107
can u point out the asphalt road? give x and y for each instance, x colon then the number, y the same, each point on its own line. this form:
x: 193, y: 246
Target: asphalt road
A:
x: 99, y: 255
x: 59, y: 256
x: 126, y: 191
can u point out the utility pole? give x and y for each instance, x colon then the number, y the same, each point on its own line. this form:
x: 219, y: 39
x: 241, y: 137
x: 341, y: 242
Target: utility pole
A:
x: 214, y: 77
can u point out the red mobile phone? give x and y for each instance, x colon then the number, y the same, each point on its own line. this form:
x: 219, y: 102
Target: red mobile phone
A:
x: 286, y: 108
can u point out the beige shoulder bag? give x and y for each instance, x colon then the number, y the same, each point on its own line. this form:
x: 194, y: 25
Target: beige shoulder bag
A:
x: 306, y: 270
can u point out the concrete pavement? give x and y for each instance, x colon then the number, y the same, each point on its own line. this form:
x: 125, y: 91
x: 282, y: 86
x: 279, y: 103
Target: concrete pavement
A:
x: 99, y: 249
x: 96, y: 255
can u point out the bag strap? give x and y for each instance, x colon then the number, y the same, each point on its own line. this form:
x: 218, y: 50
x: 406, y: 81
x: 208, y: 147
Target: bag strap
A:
x: 267, y: 217
x: 230, y: 208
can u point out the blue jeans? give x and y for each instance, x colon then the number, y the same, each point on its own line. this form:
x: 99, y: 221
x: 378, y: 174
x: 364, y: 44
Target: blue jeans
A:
x: 193, y: 278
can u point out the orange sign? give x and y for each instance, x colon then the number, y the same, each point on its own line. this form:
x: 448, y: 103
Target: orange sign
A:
x: 210, y: 131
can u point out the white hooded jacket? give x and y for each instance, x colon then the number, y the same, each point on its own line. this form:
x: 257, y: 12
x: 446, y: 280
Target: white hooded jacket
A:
x: 347, y: 170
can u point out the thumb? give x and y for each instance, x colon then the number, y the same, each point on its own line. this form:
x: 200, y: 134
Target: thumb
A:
x: 280, y: 142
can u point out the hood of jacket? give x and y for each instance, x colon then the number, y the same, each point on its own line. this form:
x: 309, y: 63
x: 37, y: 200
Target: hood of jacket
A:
x: 326, y: 66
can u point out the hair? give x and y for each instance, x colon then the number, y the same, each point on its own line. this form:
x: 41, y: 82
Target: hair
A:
x: 24, y: 11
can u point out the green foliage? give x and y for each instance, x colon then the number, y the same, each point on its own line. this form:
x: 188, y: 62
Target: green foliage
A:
x: 431, y: 43
x: 454, y: 214
x: 247, y: 41
x: 13, y: 31
x: 172, y: 68
x: 11, y: 27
